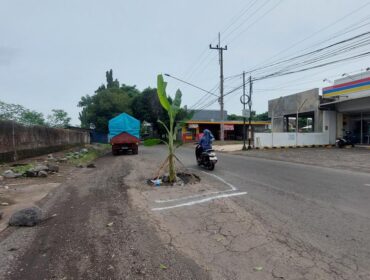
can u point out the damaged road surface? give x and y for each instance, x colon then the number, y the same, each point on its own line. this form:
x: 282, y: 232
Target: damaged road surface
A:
x: 255, y: 218
x: 250, y: 218
x: 94, y: 233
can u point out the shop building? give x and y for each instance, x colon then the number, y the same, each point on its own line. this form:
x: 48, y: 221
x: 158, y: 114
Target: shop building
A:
x: 308, y: 118
x: 349, y: 98
x: 210, y: 119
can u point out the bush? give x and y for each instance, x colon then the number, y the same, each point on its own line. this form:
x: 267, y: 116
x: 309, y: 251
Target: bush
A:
x: 151, y: 142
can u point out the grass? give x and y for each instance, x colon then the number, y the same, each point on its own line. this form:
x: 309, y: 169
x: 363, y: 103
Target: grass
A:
x: 151, y: 142
x: 22, y: 168
x: 94, y: 151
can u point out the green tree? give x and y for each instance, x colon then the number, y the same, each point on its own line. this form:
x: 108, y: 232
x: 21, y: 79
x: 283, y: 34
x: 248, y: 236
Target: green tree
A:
x: 59, y: 118
x: 255, y: 117
x: 29, y: 117
x: 261, y: 117
x: 108, y: 101
x: 147, y: 107
x: 234, y: 117
x: 11, y: 111
x: 18, y: 113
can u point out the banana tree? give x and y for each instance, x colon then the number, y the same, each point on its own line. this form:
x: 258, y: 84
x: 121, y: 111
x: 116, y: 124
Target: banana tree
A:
x: 172, y: 110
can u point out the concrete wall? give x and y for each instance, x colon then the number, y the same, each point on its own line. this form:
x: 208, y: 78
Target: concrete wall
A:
x: 287, y: 139
x: 28, y: 141
x: 330, y: 125
x: 288, y: 105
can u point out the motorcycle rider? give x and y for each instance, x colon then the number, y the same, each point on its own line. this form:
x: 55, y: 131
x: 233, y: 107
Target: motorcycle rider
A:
x: 205, y: 143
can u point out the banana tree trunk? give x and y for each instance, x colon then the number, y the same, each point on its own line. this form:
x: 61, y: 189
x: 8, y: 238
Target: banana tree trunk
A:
x: 171, y: 154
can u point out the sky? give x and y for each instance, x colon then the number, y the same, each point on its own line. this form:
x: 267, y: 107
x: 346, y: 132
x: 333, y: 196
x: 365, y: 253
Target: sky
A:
x: 54, y: 52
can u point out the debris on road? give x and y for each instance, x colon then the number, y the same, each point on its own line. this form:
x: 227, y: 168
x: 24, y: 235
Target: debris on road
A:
x: 11, y: 174
x: 110, y: 224
x: 258, y: 268
x: 52, y: 167
x: 26, y: 217
x: 162, y: 266
x: 40, y: 167
x: 42, y: 174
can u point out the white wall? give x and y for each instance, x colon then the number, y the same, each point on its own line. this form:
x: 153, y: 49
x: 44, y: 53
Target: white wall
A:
x: 283, y: 139
x: 330, y: 125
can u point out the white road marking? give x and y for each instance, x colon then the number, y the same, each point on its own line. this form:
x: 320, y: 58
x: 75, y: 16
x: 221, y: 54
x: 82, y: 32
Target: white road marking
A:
x: 368, y: 185
x: 187, y: 197
x: 190, y: 203
x: 222, y: 180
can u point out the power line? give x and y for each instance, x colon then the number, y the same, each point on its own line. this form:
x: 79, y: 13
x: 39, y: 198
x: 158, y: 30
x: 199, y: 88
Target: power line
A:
x: 190, y: 84
x: 248, y: 18
x: 315, y: 33
x: 254, y: 22
x: 350, y: 47
x: 203, y: 58
x: 279, y: 74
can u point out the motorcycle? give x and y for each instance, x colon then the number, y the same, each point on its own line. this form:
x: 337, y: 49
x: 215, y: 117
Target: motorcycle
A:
x: 206, y: 158
x: 347, y: 140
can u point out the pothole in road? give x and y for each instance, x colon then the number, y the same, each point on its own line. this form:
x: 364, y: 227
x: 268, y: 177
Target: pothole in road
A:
x: 183, y: 178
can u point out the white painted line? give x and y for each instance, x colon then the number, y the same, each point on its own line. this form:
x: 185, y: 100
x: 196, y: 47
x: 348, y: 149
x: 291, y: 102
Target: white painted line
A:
x: 368, y: 185
x: 187, y: 197
x: 222, y: 180
x: 190, y: 203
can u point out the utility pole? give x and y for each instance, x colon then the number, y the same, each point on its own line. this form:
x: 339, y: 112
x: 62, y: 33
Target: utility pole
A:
x: 220, y: 55
x: 242, y: 100
x: 250, y: 113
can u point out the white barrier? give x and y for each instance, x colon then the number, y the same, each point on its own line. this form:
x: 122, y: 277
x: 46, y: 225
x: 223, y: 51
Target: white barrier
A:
x: 288, y: 139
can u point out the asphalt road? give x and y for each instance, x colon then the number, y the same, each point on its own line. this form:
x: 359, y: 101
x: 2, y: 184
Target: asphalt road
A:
x: 321, y: 209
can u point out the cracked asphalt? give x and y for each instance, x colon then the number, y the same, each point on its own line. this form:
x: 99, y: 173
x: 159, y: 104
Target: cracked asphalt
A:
x: 293, y: 221
x: 296, y: 222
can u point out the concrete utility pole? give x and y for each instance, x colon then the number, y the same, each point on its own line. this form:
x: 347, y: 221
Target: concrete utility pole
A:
x: 220, y: 54
x: 250, y: 113
x: 242, y: 100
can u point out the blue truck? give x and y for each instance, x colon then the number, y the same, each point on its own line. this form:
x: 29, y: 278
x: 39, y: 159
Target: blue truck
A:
x: 124, y: 134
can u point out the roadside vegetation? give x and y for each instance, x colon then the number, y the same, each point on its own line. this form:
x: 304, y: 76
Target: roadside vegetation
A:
x: 112, y: 98
x: 88, y: 154
x: 151, y: 142
x: 14, y: 112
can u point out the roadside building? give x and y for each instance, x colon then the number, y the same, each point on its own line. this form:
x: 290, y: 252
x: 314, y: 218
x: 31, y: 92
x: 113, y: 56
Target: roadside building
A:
x: 349, y: 98
x: 210, y: 119
x: 308, y: 118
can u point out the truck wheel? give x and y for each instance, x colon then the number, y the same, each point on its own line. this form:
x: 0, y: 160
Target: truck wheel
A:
x: 135, y: 151
x: 114, y: 152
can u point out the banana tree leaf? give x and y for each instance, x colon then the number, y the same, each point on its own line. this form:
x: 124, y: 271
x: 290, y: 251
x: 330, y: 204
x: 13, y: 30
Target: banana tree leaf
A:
x: 161, y: 89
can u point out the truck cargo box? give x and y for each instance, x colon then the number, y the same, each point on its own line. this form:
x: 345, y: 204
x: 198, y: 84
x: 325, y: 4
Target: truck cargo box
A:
x: 124, y: 134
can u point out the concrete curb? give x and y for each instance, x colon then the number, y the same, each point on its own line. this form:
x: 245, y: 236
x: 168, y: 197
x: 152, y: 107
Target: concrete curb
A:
x: 294, y: 147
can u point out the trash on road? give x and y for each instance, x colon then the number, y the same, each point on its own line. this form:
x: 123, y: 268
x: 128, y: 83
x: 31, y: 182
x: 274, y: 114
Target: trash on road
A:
x: 162, y: 266
x: 157, y: 182
x: 258, y: 268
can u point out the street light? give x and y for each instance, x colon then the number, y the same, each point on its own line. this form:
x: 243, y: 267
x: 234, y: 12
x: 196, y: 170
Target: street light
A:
x: 190, y: 84
x: 348, y: 75
x: 327, y: 80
